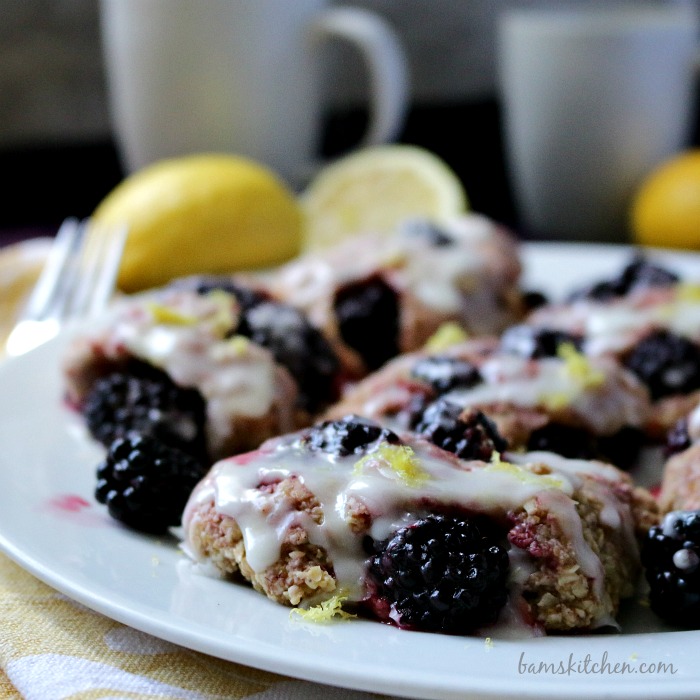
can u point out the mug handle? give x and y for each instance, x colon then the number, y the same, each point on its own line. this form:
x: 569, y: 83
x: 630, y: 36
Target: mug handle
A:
x: 386, y: 62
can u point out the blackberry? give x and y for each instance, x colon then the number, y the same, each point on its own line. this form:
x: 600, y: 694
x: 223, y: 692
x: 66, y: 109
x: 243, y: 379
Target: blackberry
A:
x: 446, y: 373
x: 671, y: 557
x: 666, y: 363
x: 296, y: 345
x: 469, y: 435
x: 534, y: 299
x: 534, y: 343
x: 564, y: 440
x: 246, y: 297
x: 637, y: 274
x: 440, y: 574
x: 642, y: 274
x: 349, y: 435
x: 677, y: 439
x: 143, y: 398
x: 287, y: 334
x: 145, y: 484
x: 621, y: 448
x: 367, y: 314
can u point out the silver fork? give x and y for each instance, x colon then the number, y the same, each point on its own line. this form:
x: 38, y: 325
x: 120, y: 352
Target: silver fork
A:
x: 77, y: 280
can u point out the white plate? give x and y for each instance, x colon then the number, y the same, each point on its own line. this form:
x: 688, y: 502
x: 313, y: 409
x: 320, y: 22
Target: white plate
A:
x: 50, y: 525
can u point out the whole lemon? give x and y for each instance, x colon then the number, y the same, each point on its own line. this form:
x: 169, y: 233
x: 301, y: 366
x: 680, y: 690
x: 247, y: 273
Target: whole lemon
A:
x: 204, y: 213
x: 665, y: 210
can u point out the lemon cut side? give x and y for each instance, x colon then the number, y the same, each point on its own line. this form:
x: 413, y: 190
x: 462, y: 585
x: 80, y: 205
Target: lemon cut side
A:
x: 375, y: 189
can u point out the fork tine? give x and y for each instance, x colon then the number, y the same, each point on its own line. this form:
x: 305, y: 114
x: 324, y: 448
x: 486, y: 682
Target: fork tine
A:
x: 80, y: 275
x: 65, y: 243
x: 113, y: 242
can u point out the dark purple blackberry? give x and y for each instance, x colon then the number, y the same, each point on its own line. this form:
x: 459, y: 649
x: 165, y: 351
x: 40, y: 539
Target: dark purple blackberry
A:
x: 637, y: 274
x: 534, y: 343
x: 621, y: 448
x: 286, y: 333
x: 642, y: 274
x: 666, y: 363
x: 296, y: 345
x: 145, y: 483
x: 677, y: 439
x: 564, y: 440
x: 534, y: 299
x: 671, y: 558
x: 440, y: 574
x: 203, y: 284
x: 412, y: 412
x: 421, y: 228
x: 349, y: 435
x: 367, y: 314
x: 469, y: 435
x: 446, y: 373
x: 145, y: 399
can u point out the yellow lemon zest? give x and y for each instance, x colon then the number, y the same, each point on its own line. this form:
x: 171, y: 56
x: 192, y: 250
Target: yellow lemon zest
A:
x: 325, y: 611
x: 688, y: 291
x: 169, y: 316
x: 556, y: 400
x: 449, y: 333
x: 239, y: 344
x: 498, y: 465
x: 579, y: 367
x: 223, y: 318
x: 401, y: 459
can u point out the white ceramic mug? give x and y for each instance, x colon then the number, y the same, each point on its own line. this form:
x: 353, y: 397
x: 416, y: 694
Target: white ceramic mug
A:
x: 592, y: 100
x: 239, y: 76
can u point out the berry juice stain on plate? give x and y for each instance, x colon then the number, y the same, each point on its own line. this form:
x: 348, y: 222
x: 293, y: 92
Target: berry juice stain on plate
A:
x: 73, y: 507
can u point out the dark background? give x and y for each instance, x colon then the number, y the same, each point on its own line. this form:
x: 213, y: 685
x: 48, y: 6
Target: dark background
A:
x: 47, y: 182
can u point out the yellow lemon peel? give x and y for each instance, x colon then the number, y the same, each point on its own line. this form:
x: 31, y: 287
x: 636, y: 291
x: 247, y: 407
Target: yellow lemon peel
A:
x: 498, y: 465
x: 202, y: 213
x: 579, y: 367
x: 555, y: 401
x: 326, y: 611
x: 402, y: 461
x: 688, y: 291
x: 169, y: 316
x: 448, y: 334
x: 665, y: 210
x: 222, y: 320
x: 239, y: 344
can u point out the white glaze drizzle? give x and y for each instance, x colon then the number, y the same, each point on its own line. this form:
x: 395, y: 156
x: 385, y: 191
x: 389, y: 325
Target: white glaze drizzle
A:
x: 614, y: 326
x: 605, y: 407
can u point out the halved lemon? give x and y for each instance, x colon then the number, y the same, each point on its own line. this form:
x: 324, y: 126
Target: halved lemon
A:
x: 205, y: 213
x: 375, y: 189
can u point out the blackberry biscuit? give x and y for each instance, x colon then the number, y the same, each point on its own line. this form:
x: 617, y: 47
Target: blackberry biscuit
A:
x: 377, y: 296
x: 649, y: 321
x: 541, y: 395
x: 393, y: 527
x: 201, y: 367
